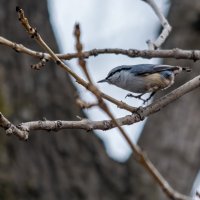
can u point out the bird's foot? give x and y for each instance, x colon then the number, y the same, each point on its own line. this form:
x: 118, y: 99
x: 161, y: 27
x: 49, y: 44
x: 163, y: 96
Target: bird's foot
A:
x: 135, y: 96
x: 140, y: 97
x: 145, y: 100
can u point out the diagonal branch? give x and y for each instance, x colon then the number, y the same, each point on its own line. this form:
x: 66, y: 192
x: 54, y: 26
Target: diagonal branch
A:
x: 165, y: 24
x: 89, y: 125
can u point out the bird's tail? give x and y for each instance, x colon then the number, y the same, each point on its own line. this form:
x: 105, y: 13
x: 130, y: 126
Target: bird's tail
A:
x: 102, y: 81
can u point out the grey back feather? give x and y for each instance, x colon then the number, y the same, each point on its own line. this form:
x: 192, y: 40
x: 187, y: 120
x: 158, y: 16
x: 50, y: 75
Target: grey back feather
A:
x: 142, y: 69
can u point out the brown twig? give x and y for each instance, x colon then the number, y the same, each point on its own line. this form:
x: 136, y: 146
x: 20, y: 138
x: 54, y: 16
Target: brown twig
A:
x: 79, y: 48
x: 40, y: 64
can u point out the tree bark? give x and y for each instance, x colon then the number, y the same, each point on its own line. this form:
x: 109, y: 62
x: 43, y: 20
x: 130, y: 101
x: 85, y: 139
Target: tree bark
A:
x: 71, y: 164
x: 171, y: 136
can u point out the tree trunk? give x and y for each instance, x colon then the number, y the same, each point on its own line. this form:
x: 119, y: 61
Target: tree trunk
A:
x: 171, y: 137
x: 71, y: 164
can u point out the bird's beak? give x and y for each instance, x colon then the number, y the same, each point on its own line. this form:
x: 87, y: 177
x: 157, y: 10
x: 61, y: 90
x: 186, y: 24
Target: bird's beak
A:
x: 102, y: 81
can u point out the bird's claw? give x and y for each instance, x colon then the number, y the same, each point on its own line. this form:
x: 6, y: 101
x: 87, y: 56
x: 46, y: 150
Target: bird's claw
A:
x: 130, y: 95
x: 139, y: 97
x: 145, y: 100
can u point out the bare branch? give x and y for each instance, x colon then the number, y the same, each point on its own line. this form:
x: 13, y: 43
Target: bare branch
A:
x: 165, y: 24
x: 12, y: 129
x: 108, y: 124
x: 20, y: 48
x: 133, y: 53
x: 79, y: 48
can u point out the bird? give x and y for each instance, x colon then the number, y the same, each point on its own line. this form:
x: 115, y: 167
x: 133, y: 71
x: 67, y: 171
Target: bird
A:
x: 143, y: 78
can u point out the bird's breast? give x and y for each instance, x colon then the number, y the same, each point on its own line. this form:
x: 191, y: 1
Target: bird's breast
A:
x: 144, y: 84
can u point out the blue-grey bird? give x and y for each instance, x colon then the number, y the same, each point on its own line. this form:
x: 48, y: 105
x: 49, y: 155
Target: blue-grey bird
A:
x: 143, y: 78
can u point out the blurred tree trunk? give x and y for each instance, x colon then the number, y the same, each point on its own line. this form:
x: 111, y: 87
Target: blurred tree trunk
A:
x: 67, y: 165
x: 171, y: 137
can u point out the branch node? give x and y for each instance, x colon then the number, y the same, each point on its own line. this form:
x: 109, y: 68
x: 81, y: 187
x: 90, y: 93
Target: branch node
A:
x: 106, y: 125
x: 95, y: 53
x: 40, y: 64
x: 10, y: 130
x: 140, y: 113
x: 194, y: 56
x: 58, y: 62
x: 58, y: 124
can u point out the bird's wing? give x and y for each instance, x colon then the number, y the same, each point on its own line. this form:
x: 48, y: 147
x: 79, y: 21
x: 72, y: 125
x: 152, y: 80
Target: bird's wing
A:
x: 143, y: 70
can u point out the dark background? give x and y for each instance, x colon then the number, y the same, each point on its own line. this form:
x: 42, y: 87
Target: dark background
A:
x: 72, y: 164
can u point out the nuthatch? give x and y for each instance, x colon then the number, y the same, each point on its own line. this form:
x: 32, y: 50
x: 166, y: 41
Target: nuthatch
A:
x: 143, y: 78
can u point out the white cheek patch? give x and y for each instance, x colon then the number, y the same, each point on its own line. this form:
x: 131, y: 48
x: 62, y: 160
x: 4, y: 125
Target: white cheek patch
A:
x: 114, y: 77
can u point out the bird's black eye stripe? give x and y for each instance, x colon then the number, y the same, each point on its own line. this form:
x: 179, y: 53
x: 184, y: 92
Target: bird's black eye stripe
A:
x: 118, y: 70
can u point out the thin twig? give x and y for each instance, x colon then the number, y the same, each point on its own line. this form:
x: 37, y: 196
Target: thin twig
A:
x: 40, y: 64
x: 165, y: 24
x: 79, y: 48
x: 83, y: 105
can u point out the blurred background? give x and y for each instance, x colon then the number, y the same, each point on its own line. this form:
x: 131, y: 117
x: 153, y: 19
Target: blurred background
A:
x: 73, y: 164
